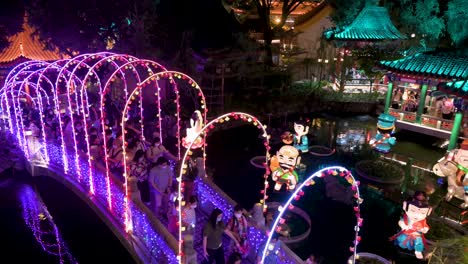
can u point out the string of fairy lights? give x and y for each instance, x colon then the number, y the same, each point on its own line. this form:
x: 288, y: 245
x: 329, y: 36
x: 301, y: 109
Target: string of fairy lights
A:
x: 333, y: 171
x: 205, y: 130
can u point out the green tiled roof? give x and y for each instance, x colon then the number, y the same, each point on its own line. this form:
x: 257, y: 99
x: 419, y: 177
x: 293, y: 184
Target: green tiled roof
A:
x: 452, y: 64
x: 372, y: 23
x: 458, y: 86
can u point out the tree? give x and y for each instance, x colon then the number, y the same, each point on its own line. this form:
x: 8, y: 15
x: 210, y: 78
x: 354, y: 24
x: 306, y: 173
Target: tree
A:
x: 345, y: 11
x: 91, y: 25
x: 269, y: 28
x: 457, y: 15
x: 11, y: 20
x: 422, y: 17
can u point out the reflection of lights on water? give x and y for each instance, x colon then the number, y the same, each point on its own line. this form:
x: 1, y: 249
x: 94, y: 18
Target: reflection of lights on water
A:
x: 38, y: 219
x: 351, y: 139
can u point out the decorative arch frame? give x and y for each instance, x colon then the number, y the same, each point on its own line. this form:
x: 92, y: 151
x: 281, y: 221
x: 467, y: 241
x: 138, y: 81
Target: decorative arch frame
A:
x: 333, y: 171
x: 137, y: 92
x: 211, y: 125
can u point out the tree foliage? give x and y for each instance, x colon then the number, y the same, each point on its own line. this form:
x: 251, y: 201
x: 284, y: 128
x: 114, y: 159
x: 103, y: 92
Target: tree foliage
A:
x: 269, y: 28
x: 91, y: 25
x: 457, y: 17
x: 11, y: 20
x: 424, y: 17
x: 345, y: 11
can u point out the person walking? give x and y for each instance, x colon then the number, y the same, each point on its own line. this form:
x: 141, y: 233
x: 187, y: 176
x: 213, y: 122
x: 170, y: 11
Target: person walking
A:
x: 213, y: 251
x: 160, y: 178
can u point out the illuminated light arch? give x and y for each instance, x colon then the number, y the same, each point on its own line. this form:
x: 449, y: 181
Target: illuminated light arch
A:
x: 78, y: 61
x: 18, y: 69
x: 211, y: 125
x: 331, y: 171
x: 20, y: 113
x: 4, y: 97
x: 103, y: 92
x: 112, y: 59
x: 179, y: 75
x: 27, y: 80
x: 10, y: 88
x: 138, y: 92
x: 21, y: 69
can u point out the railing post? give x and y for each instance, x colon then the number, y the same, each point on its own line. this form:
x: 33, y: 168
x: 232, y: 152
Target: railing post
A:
x: 455, y: 131
x: 190, y: 255
x: 421, y: 105
x: 133, y: 192
x: 388, y: 99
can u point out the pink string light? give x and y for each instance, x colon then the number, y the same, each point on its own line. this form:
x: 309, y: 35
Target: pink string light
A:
x: 183, y: 167
x: 336, y: 171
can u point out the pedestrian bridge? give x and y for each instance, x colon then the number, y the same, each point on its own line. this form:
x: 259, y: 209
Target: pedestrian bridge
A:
x: 42, y: 104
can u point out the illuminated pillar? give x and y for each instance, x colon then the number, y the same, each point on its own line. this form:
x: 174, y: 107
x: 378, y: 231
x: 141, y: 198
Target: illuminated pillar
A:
x: 388, y: 100
x: 422, y: 103
x: 455, y: 131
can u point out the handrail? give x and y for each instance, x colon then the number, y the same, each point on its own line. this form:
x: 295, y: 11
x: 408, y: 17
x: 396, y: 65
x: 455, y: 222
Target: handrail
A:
x: 286, y: 250
x: 132, y: 242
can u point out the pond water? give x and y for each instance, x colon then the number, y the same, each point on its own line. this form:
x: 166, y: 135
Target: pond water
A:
x: 30, y: 237
x: 229, y: 153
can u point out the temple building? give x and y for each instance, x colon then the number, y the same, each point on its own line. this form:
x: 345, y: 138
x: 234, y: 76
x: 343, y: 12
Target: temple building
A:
x: 372, y: 27
x: 426, y: 92
x: 372, y: 24
x: 24, y: 46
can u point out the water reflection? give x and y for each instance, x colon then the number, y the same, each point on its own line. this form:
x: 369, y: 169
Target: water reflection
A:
x: 344, y: 134
x: 41, y: 223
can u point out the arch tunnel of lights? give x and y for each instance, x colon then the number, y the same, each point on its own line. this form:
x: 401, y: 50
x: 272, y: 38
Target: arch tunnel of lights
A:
x: 112, y: 88
x: 117, y: 92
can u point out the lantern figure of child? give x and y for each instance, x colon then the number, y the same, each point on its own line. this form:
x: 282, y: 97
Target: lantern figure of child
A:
x: 413, y: 224
x: 301, y: 142
x: 284, y: 171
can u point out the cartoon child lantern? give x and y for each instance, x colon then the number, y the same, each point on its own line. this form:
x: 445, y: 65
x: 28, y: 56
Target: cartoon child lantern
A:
x: 383, y: 141
x: 300, y: 139
x: 454, y: 166
x: 196, y: 125
x: 413, y: 224
x: 282, y: 167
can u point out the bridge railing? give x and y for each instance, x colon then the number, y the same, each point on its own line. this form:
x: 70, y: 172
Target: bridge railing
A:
x: 211, y: 196
x: 149, y: 240
x: 426, y: 120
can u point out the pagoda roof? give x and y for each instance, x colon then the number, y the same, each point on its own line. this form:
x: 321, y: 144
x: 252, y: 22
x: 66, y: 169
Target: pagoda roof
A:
x: 24, y: 45
x: 457, y: 87
x: 445, y: 64
x: 372, y: 24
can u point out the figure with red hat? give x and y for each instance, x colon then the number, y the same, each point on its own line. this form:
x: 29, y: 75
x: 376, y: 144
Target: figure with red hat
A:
x: 413, y: 224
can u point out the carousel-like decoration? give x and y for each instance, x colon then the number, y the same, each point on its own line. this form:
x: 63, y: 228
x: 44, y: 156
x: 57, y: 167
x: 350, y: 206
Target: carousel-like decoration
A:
x: 413, y: 225
x: 454, y: 166
x: 300, y: 140
x: 383, y: 140
x: 334, y: 171
x: 283, y: 166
